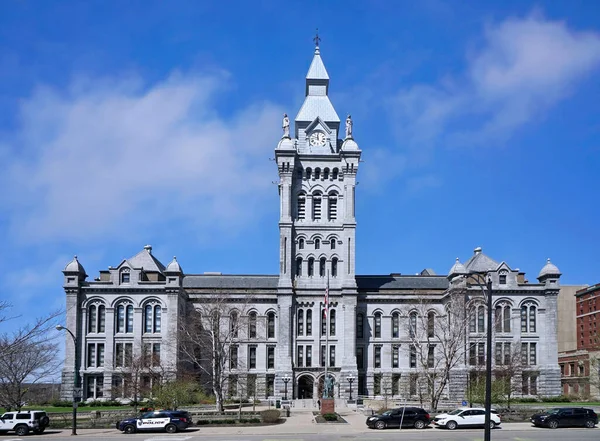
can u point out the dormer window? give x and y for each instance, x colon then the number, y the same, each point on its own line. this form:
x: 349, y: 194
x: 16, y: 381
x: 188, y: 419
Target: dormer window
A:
x: 125, y: 277
x: 502, y: 279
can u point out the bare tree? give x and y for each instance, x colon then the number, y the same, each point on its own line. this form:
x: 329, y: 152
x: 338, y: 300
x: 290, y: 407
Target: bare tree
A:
x: 437, y: 342
x: 508, y: 369
x: 210, y: 338
x: 27, y: 356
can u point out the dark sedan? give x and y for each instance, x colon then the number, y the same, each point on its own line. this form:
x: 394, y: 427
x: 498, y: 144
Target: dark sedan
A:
x: 407, y: 416
x: 565, y: 417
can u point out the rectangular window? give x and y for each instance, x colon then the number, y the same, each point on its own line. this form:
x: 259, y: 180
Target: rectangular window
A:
x: 322, y: 357
x: 507, y: 354
x: 498, y: 354
x: 413, y: 356
x: 395, y: 356
x: 360, y: 364
x: 431, y: 356
x: 532, y: 354
x: 233, y: 357
x: 396, y: 384
x: 252, y: 357
x: 270, y: 357
x: 377, y: 357
x: 270, y: 389
x: 232, y: 385
x: 251, y: 385
x: 359, y: 326
x: 332, y: 356
x: 300, y: 356
x: 472, y: 354
x: 481, y: 354
x: 308, y: 356
x: 502, y: 280
x: 377, y: 384
x: 377, y: 325
x: 309, y: 322
x: 91, y: 355
x: 412, y: 384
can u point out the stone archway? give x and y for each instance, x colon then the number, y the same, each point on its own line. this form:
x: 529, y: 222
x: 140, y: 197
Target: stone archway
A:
x: 306, y: 385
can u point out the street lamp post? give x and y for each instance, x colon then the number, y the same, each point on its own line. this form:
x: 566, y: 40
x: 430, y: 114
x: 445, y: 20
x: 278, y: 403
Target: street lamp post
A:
x: 480, y: 277
x: 75, y: 378
x: 350, y: 379
x: 286, y: 380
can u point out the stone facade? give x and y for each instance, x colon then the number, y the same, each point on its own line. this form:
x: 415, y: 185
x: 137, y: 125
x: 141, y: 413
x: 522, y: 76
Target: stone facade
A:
x: 363, y: 331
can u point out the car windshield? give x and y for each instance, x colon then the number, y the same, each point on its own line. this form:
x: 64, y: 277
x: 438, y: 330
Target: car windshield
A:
x: 148, y: 415
x: 455, y: 412
x: 388, y: 412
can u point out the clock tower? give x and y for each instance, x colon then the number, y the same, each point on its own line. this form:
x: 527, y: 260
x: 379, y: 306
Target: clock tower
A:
x: 317, y: 170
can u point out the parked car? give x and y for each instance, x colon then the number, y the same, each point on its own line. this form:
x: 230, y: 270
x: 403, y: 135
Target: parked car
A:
x: 565, y: 416
x: 170, y: 421
x: 22, y: 422
x: 466, y: 417
x: 408, y: 416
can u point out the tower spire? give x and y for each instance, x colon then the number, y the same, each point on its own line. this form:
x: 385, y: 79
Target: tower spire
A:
x: 317, y: 40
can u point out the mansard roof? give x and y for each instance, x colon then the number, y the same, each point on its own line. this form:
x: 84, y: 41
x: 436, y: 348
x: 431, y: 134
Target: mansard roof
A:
x: 371, y: 283
x: 480, y: 263
x: 228, y: 281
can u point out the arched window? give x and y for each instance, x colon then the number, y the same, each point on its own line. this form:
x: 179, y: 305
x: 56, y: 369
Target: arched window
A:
x: 360, y: 325
x: 120, y: 321
x: 317, y: 206
x: 301, y: 243
x: 309, y: 322
x: 502, y: 318
x: 322, y: 262
x: 477, y: 319
x: 317, y: 173
x: 377, y: 323
x: 332, y: 207
x: 332, y: 322
x: 332, y: 243
x: 308, y: 173
x: 326, y: 173
x: 323, y: 322
x: 124, y: 322
x: 298, y: 266
x: 300, y: 322
x: 528, y: 318
x: 334, y: 267
x: 317, y: 244
x: 92, y: 318
x: 412, y: 324
x: 430, y: 324
x: 252, y: 325
x: 301, y: 206
x: 311, y: 267
x: 233, y: 323
x: 271, y: 325
x: 395, y: 325
x: 152, y: 318
x: 334, y: 174
x: 101, y: 318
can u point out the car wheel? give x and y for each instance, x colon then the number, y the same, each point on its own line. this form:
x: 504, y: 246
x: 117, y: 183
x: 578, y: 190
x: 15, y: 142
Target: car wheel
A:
x: 492, y: 424
x: 590, y: 424
x: 171, y: 428
x: 44, y: 421
x: 419, y: 424
x: 553, y: 424
x: 380, y: 425
x: 451, y: 425
x: 129, y: 429
x: 21, y: 430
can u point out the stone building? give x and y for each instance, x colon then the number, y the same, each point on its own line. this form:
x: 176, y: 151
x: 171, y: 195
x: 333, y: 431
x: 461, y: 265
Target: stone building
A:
x: 367, y: 332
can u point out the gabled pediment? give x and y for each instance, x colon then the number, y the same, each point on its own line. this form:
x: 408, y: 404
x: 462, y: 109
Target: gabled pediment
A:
x: 318, y: 124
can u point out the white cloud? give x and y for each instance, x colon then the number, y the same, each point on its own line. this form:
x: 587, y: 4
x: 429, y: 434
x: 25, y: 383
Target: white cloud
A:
x: 105, y: 151
x: 525, y: 66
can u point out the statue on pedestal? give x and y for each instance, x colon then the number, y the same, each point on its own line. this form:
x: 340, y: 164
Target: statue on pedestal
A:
x: 349, y: 124
x: 286, y: 126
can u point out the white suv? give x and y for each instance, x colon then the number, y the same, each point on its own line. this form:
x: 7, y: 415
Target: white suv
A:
x: 466, y: 417
x: 24, y: 421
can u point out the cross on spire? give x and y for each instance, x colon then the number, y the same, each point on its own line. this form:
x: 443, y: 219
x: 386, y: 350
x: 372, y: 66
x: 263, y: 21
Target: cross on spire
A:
x: 317, y: 39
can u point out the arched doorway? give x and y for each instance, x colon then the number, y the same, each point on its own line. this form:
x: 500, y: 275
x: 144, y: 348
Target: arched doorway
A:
x: 305, y: 387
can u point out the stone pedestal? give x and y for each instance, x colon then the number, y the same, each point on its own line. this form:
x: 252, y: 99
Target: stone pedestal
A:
x: 327, y: 405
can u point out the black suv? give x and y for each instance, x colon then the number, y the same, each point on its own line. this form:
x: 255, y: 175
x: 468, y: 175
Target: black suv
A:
x: 170, y: 421
x: 407, y: 416
x: 566, y: 416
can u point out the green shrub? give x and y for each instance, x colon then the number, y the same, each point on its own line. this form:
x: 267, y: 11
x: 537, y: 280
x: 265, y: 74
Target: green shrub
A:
x: 61, y: 403
x: 526, y: 400
x: 270, y: 416
x: 559, y: 399
x: 330, y: 416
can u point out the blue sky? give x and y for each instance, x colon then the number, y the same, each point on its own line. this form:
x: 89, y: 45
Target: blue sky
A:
x: 131, y: 123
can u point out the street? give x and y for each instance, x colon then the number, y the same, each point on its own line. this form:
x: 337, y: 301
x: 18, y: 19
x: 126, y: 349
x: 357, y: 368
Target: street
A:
x: 433, y: 434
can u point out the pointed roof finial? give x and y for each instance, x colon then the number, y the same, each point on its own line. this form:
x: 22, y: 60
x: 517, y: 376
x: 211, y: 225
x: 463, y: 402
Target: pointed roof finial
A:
x: 317, y: 40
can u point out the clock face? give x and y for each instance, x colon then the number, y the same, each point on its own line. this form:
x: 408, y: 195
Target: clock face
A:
x: 317, y: 139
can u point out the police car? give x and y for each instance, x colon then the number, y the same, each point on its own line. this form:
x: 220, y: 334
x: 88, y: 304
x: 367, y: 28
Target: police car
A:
x: 170, y: 421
